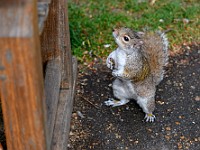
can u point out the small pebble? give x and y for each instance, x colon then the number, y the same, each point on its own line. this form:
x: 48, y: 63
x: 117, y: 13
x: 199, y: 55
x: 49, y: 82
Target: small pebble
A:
x: 169, y: 82
x: 177, y: 123
x: 160, y: 102
x: 182, y: 137
x: 168, y: 128
x: 136, y: 142
x: 80, y: 114
x: 186, y: 21
x: 197, y: 98
x: 180, y: 117
x: 150, y: 130
x: 85, y: 52
x: 167, y: 137
x: 179, y: 145
x: 107, y: 45
x: 161, y: 20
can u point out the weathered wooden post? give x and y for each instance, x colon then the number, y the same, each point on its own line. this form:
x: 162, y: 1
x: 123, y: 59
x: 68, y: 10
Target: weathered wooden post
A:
x: 22, y: 89
x: 60, y: 73
x: 37, y: 108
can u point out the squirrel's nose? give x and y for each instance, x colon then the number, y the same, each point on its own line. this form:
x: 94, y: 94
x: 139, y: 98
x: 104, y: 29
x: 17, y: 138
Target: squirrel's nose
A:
x: 114, y: 30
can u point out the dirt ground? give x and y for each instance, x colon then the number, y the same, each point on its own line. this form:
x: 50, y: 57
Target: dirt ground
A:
x: 177, y: 125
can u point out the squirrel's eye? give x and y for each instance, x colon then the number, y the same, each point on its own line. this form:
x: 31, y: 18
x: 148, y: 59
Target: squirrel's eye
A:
x: 126, y: 38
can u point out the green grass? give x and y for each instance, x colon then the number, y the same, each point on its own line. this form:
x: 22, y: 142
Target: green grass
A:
x: 91, y: 23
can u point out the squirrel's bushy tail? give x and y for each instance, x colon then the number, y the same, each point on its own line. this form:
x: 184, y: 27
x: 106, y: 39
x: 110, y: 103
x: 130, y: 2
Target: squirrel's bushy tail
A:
x: 156, y: 51
x: 165, y: 44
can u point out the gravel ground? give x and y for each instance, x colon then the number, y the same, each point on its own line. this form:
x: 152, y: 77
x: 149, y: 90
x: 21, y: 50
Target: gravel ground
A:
x: 177, y: 125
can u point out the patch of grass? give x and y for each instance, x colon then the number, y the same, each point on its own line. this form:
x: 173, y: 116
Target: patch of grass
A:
x: 91, y: 22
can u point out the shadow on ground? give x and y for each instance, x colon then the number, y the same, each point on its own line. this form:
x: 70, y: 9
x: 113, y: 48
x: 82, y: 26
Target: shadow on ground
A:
x: 177, y: 126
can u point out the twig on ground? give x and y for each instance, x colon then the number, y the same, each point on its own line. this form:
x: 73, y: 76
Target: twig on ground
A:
x: 90, y: 103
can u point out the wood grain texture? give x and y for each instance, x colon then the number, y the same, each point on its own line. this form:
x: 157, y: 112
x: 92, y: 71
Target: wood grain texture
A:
x: 67, y: 75
x: 52, y: 90
x: 51, y: 49
x: 68, y: 80
x: 50, y: 38
x: 22, y: 83
x: 63, y: 117
x: 22, y: 95
x: 55, y: 43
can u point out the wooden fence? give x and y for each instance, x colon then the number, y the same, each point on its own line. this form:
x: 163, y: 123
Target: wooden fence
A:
x: 37, y: 74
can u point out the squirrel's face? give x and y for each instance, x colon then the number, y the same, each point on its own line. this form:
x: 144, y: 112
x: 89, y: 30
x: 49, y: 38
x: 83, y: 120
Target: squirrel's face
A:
x: 127, y: 39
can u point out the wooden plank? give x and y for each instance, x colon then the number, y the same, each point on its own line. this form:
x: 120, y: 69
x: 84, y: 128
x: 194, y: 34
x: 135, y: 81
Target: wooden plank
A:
x: 56, y: 38
x: 67, y: 80
x: 65, y: 105
x: 63, y: 118
x: 52, y: 90
x: 53, y: 46
x: 60, y: 131
x: 50, y: 37
x: 22, y: 83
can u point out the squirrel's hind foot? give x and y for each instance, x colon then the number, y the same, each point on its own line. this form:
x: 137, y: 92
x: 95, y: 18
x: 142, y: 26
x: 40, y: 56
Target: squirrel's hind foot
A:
x: 112, y: 102
x: 150, y: 117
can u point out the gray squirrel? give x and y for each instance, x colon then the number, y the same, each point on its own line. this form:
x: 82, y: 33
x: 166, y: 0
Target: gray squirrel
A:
x: 138, y: 65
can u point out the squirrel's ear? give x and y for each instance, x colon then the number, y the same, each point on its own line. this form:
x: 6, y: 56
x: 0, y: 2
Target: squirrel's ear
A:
x: 140, y: 34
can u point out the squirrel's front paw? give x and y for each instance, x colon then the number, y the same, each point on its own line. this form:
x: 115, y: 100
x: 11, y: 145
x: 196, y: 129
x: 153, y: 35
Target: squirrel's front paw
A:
x: 150, y: 117
x: 117, y: 73
x: 120, y: 74
x: 110, y: 63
